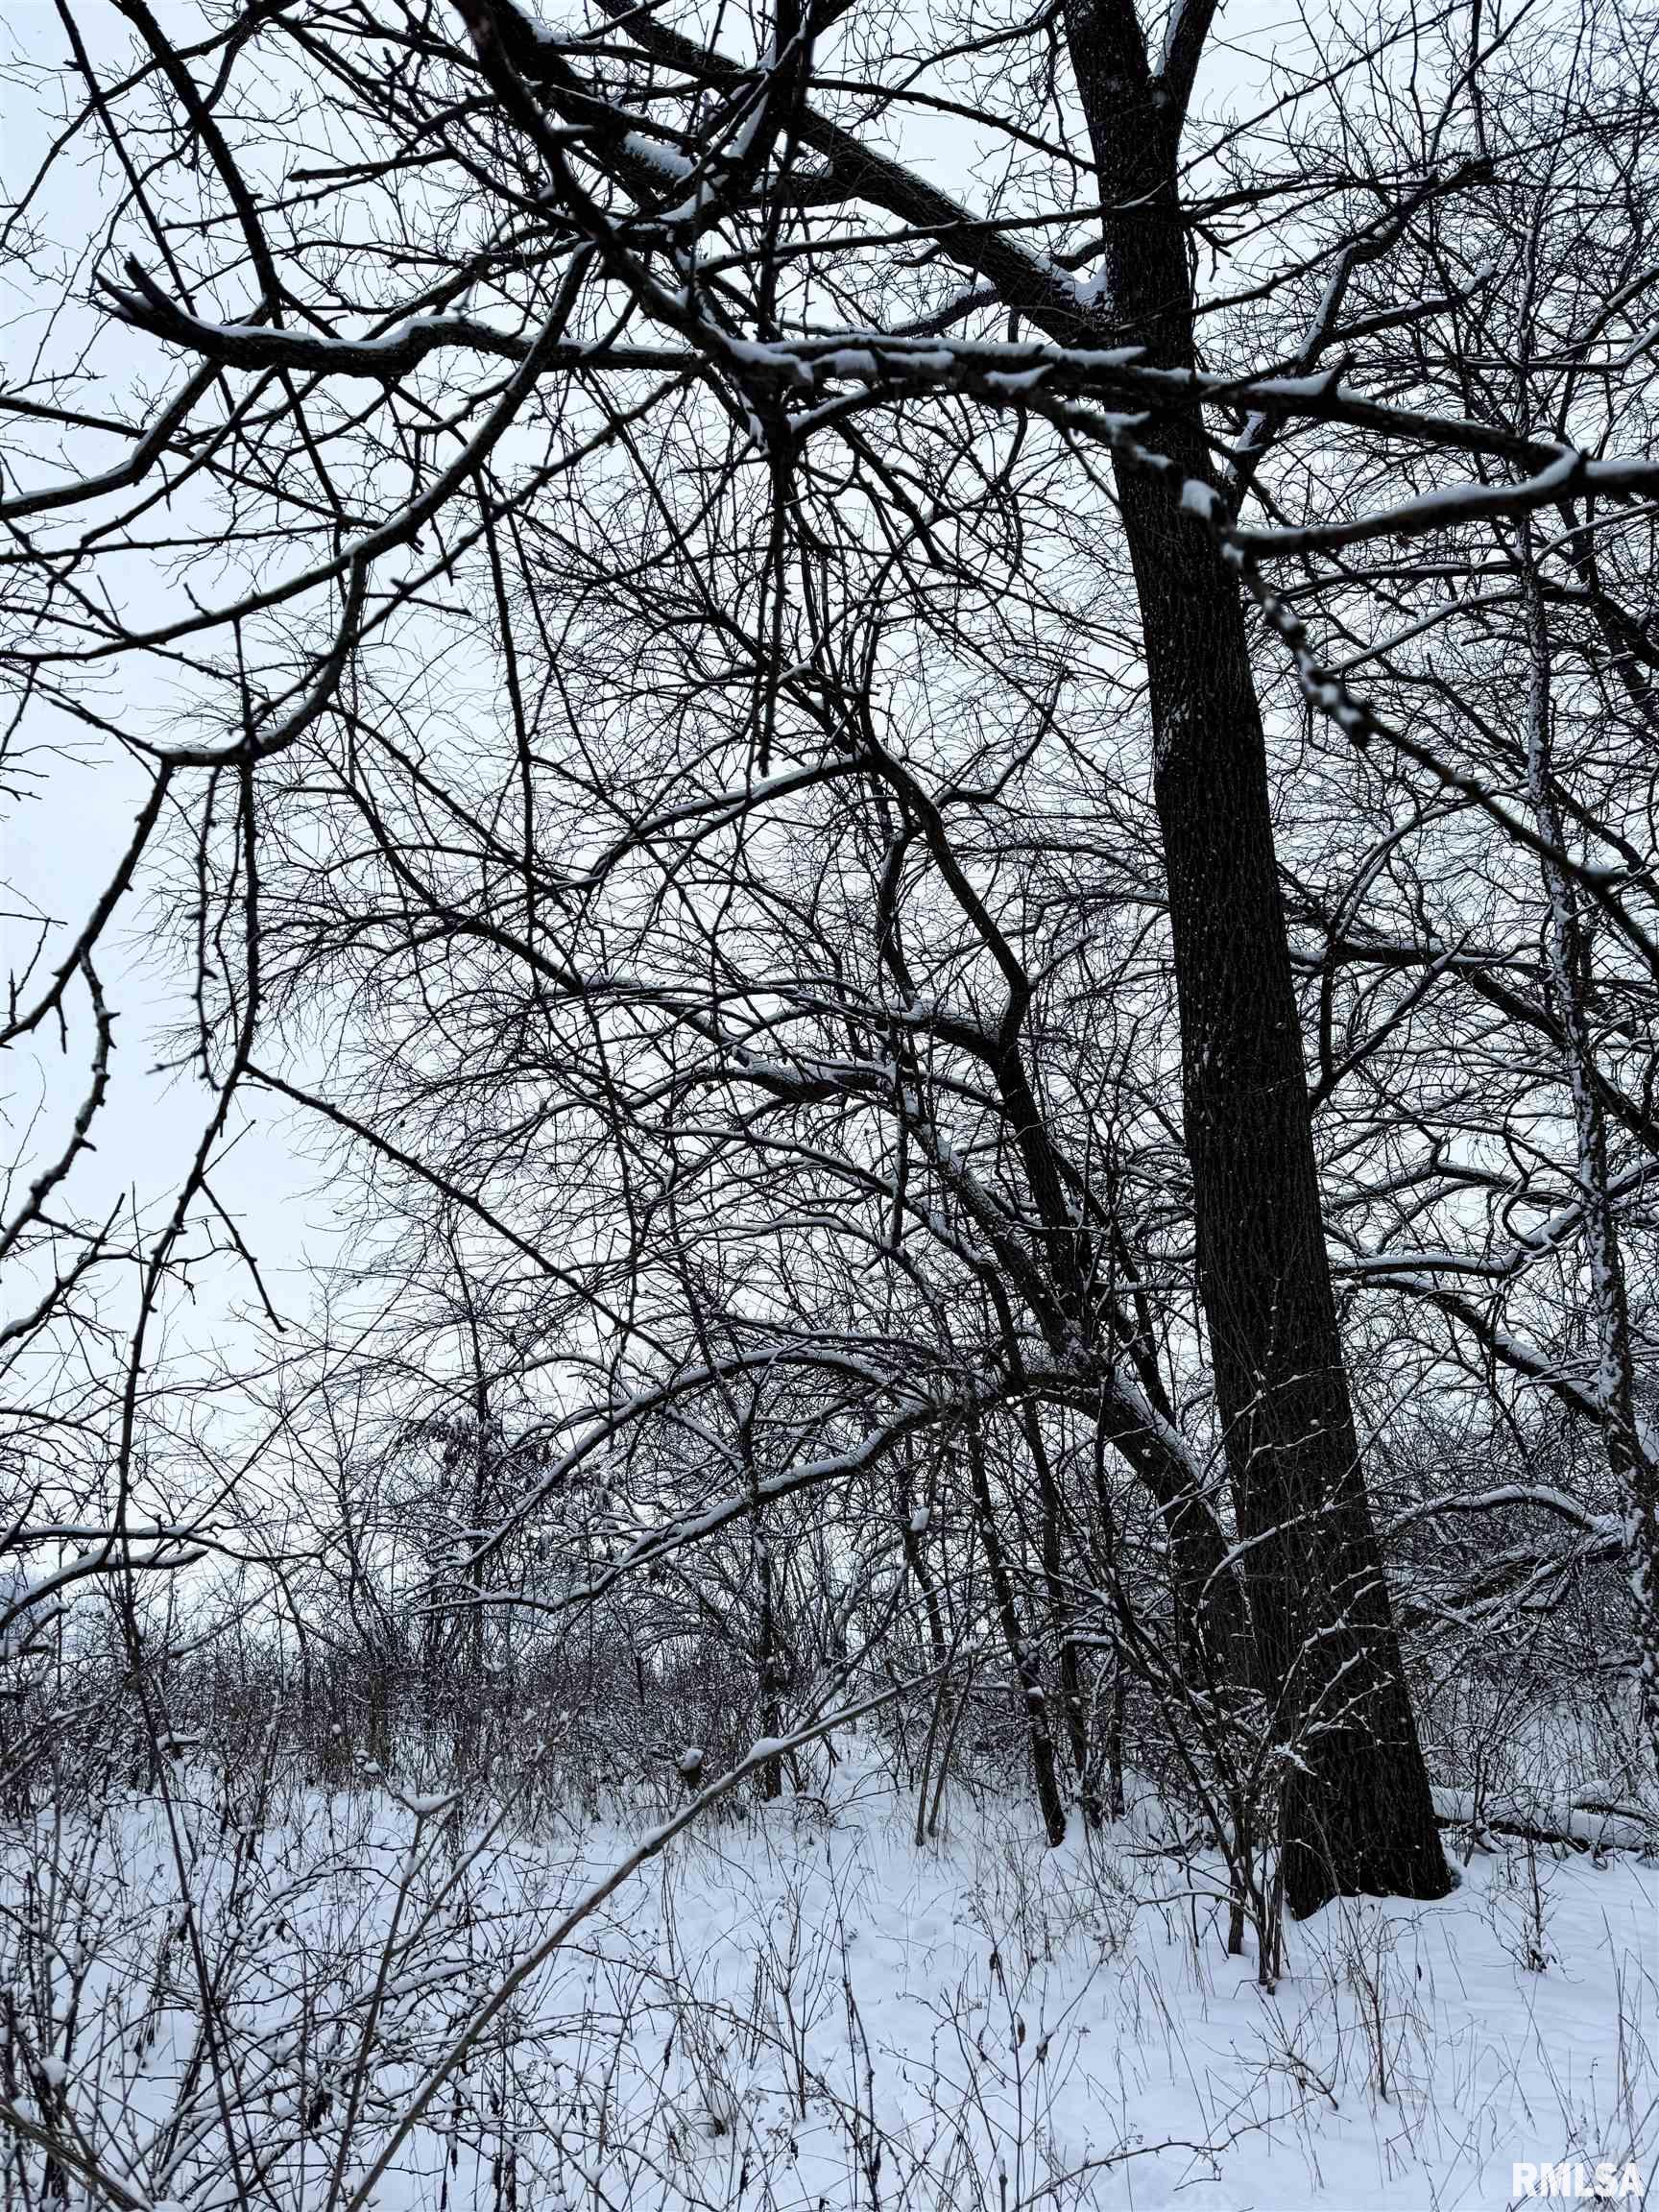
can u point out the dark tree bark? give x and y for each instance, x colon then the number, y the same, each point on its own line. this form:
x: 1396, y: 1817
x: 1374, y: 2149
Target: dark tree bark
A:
x: 1027, y: 1673
x: 1358, y: 1814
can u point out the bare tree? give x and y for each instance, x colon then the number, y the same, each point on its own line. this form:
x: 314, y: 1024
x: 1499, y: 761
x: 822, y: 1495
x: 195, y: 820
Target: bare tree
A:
x: 662, y: 640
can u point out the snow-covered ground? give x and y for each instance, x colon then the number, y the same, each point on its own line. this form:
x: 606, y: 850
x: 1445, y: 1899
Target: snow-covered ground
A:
x: 800, y: 2007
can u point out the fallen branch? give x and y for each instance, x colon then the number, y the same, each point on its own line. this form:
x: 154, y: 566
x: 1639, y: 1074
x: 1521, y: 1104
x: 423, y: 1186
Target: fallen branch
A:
x: 1586, y: 1825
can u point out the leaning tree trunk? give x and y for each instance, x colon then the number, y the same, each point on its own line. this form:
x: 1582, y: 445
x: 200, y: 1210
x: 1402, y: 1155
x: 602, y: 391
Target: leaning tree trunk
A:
x: 1357, y: 1811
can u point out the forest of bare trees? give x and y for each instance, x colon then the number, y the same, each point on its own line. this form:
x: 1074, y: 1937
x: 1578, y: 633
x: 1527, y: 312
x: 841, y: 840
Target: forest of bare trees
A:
x: 916, y: 751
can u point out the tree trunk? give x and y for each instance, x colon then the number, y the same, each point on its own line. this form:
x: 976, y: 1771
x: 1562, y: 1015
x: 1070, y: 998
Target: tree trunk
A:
x: 1027, y: 1675
x: 769, y: 1668
x: 1358, y: 1812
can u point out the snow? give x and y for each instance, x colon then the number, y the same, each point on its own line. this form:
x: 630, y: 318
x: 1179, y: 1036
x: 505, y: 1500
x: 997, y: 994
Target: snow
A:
x: 787, y: 1992
x: 1096, y: 289
x: 653, y: 153
x: 1599, y: 1827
